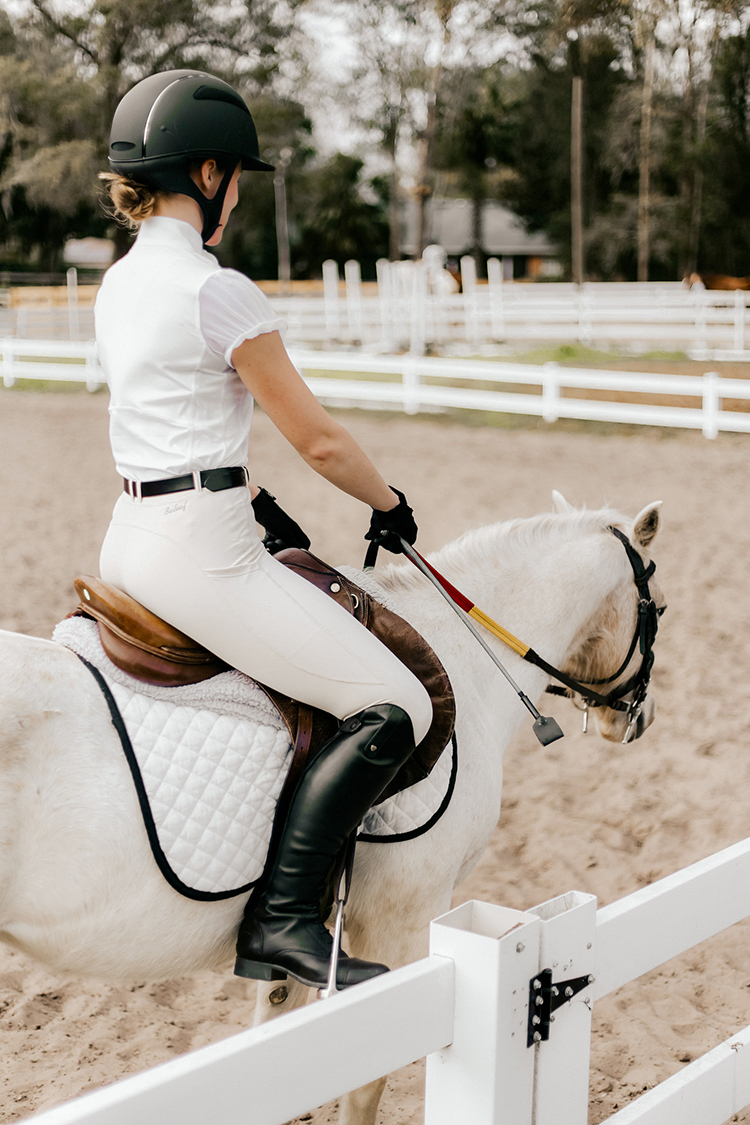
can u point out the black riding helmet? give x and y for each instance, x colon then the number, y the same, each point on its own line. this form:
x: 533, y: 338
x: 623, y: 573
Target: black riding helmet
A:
x: 169, y: 120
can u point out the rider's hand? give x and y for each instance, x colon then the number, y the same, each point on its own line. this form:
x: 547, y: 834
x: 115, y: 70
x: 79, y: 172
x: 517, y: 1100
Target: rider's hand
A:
x: 388, y: 528
x: 281, y: 530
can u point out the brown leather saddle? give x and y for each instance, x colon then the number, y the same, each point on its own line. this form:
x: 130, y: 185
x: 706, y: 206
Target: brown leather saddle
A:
x: 151, y: 650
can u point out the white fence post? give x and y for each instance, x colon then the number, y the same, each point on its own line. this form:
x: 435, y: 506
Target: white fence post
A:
x: 711, y: 404
x: 486, y: 1076
x: 93, y: 371
x: 550, y: 392
x: 353, y: 279
x: 410, y: 383
x: 585, y: 335
x: 739, y: 320
x: 497, y: 309
x: 71, y: 278
x: 561, y: 1086
x: 701, y: 340
x: 9, y: 358
x: 418, y: 332
x: 385, y: 304
x: 469, y: 286
x: 331, y: 298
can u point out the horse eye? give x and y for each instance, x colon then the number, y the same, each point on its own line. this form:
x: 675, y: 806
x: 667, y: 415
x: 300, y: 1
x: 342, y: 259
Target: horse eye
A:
x: 661, y: 611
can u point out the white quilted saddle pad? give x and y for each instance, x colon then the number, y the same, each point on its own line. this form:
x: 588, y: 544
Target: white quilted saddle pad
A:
x: 209, y: 761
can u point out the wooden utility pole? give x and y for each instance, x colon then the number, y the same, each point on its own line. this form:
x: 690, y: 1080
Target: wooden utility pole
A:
x: 282, y: 225
x: 576, y: 178
x: 644, y: 168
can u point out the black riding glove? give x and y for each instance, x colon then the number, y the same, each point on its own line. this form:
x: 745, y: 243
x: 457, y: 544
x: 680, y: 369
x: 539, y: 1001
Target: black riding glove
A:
x: 281, y: 530
x: 387, y: 527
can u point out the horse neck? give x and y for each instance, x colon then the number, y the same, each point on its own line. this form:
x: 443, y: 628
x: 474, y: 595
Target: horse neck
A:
x: 543, y: 588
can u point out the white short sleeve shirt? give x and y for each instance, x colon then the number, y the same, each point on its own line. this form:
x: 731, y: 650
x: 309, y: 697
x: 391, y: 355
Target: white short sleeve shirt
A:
x: 168, y: 318
x: 233, y: 309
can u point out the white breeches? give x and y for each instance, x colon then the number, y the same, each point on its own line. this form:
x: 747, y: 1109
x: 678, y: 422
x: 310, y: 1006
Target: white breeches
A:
x: 195, y: 559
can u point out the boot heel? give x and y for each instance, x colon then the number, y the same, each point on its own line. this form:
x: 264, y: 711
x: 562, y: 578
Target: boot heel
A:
x: 257, y: 970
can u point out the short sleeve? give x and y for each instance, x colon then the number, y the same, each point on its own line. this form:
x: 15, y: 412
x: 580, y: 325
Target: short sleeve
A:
x: 233, y: 309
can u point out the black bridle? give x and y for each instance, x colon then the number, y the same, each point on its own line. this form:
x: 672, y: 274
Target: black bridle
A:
x: 646, y: 627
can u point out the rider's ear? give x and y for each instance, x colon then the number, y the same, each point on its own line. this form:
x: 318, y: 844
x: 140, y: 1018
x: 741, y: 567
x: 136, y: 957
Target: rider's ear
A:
x: 646, y: 524
x: 560, y: 504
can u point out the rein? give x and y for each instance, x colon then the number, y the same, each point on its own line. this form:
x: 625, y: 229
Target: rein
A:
x: 647, y: 624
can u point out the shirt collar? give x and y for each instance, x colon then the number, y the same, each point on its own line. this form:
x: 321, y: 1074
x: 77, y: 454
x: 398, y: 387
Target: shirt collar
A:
x: 163, y: 229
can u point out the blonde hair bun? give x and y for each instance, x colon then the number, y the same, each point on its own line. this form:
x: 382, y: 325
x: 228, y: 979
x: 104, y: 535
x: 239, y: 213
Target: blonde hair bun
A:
x: 130, y: 202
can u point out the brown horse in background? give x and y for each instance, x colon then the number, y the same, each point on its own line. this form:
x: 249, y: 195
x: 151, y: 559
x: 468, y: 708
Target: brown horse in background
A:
x: 718, y: 281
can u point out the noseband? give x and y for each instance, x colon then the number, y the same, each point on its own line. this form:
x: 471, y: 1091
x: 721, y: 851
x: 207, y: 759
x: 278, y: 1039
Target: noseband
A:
x: 646, y: 627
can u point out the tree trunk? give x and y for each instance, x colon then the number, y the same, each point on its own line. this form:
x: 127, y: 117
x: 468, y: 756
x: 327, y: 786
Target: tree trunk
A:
x: 424, y: 191
x: 478, y: 199
x: 686, y: 172
x: 694, y: 232
x: 394, y: 217
x: 644, y: 170
x: 576, y: 179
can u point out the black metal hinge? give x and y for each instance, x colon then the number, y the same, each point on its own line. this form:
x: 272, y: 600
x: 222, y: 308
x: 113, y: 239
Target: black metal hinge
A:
x: 545, y: 998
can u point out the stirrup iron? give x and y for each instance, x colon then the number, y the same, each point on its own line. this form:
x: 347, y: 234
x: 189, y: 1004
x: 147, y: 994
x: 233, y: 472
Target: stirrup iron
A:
x: 343, y: 886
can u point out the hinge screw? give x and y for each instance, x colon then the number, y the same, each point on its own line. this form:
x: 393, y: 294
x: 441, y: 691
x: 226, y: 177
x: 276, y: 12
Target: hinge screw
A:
x: 591, y: 979
x: 539, y: 1001
x: 537, y: 984
x: 537, y: 1037
x: 555, y: 990
x: 372, y: 748
x: 535, y: 1020
x: 568, y: 991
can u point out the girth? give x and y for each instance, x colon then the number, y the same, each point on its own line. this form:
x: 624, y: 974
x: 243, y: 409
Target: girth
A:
x: 151, y: 650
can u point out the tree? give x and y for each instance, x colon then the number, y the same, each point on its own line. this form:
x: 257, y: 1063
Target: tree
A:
x: 339, y: 222
x: 68, y: 72
x: 474, y: 137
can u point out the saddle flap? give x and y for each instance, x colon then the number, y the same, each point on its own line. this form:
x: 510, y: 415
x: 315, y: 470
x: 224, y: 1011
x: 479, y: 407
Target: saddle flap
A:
x: 132, y: 623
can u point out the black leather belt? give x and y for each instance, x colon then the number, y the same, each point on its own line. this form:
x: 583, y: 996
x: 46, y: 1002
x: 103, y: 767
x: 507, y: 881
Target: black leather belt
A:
x: 215, y: 480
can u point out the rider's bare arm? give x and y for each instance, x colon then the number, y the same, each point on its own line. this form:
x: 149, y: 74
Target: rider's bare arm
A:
x: 328, y: 448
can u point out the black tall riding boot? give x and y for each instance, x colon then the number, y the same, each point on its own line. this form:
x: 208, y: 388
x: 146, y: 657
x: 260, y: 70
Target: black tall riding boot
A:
x: 281, y: 934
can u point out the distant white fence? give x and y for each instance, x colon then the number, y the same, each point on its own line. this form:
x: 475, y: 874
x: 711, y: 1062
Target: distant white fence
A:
x: 418, y: 383
x: 467, y: 1007
x: 411, y: 309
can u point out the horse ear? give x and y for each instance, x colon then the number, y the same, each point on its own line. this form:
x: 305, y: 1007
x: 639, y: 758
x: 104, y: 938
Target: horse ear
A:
x: 560, y: 504
x: 646, y: 524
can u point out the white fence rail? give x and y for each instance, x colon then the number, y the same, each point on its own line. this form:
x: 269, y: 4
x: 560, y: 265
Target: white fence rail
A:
x: 417, y: 383
x: 466, y: 1006
x: 411, y: 309
x: 58, y: 360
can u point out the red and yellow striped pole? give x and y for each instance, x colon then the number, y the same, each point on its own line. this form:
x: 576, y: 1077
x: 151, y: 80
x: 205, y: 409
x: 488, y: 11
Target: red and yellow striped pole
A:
x: 474, y: 611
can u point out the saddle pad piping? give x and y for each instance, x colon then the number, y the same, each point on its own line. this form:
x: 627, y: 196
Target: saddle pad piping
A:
x: 400, y: 837
x: 148, y: 820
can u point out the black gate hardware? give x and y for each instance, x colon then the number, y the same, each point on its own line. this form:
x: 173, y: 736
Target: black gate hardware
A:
x: 545, y: 998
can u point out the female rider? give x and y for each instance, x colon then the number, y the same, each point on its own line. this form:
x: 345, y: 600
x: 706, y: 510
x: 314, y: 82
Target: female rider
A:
x: 186, y: 347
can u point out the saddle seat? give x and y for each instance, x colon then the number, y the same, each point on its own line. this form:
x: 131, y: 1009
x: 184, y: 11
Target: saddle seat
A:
x: 153, y: 651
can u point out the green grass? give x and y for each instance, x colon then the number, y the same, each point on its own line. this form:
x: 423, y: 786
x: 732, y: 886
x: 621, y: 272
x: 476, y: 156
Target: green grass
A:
x: 572, y: 355
x: 54, y: 386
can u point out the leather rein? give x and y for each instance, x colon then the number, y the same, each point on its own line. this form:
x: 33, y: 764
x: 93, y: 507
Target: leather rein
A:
x: 646, y: 628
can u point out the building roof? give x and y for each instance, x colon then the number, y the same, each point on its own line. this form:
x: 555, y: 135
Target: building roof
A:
x: 450, y: 222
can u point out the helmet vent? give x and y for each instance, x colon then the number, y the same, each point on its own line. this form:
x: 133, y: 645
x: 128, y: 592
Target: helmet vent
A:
x: 122, y: 146
x: 212, y: 94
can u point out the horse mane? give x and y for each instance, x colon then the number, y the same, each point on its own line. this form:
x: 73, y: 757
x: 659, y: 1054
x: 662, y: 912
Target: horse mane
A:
x: 486, y: 545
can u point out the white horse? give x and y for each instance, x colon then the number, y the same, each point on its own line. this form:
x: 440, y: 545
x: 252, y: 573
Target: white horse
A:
x: 79, y: 888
